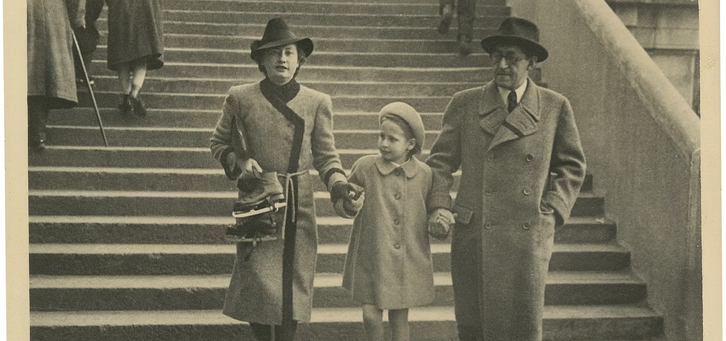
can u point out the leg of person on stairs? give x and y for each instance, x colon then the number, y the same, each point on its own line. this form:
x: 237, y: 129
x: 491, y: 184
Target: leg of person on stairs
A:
x: 466, y: 13
x: 264, y: 332
x: 373, y: 322
x: 137, y: 81
x: 124, y: 78
x: 446, y: 11
x: 400, y: 331
x: 37, y: 118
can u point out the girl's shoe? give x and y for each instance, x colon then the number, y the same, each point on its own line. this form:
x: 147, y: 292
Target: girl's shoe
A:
x: 138, y: 105
x: 126, y: 105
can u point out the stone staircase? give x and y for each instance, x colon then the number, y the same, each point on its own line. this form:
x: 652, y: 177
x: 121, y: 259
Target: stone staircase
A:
x: 126, y: 241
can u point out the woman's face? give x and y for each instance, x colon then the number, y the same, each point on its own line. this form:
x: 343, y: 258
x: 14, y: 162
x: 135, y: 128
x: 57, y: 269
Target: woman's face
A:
x: 393, y: 144
x: 280, y: 63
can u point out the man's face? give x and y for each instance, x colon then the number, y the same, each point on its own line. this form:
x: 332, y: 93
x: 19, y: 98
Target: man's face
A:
x: 511, y: 66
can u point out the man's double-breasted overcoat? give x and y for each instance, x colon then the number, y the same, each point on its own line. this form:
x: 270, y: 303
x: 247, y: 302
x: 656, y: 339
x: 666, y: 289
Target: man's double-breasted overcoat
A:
x: 521, y: 173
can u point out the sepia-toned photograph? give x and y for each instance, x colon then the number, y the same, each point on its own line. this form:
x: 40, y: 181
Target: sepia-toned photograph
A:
x: 349, y: 170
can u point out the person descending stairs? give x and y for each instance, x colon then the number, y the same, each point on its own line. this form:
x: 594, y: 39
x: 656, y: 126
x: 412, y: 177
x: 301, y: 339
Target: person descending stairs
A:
x: 127, y: 242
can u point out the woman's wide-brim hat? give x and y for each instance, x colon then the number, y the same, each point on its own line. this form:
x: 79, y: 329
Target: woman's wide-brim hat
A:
x: 517, y: 32
x: 277, y: 34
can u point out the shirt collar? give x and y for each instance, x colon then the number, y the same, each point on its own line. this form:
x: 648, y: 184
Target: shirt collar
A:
x: 410, y: 167
x: 520, y: 91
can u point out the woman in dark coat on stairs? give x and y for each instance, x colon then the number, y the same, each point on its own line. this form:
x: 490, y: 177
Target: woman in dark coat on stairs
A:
x: 278, y: 125
x: 51, y: 76
x: 135, y: 45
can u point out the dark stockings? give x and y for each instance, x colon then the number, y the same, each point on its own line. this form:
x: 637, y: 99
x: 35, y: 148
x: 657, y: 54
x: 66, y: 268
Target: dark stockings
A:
x: 285, y: 332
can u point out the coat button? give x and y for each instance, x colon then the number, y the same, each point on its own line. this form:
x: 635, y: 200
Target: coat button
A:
x: 397, y: 172
x: 527, y: 191
x: 526, y: 225
x: 488, y: 226
x: 397, y: 246
x: 396, y: 221
x: 529, y: 157
x: 487, y: 192
x: 397, y: 196
x: 490, y: 158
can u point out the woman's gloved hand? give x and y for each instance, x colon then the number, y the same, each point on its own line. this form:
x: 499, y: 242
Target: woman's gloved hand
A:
x: 345, y: 190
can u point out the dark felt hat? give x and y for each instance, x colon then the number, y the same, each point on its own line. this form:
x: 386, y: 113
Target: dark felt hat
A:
x: 277, y: 33
x: 517, y: 32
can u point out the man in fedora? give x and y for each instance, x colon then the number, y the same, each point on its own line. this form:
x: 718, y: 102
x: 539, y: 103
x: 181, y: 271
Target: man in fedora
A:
x: 522, y: 166
x: 277, y: 125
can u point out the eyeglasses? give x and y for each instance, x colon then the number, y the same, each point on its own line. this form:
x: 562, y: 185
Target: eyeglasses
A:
x: 511, y: 58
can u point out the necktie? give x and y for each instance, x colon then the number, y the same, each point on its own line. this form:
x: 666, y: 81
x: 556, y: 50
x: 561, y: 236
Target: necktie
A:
x: 511, y: 101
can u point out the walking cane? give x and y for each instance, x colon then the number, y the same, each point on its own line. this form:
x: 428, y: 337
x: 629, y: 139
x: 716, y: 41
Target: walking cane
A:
x: 90, y: 88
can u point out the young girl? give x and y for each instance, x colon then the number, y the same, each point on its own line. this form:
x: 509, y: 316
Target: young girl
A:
x: 389, y: 259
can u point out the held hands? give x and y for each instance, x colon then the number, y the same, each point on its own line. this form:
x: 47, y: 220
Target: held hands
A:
x: 345, y: 190
x: 349, y: 208
x: 348, y: 198
x: 440, y: 222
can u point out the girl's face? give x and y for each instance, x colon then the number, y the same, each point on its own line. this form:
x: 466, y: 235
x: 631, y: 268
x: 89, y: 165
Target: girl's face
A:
x: 280, y: 63
x: 393, y: 144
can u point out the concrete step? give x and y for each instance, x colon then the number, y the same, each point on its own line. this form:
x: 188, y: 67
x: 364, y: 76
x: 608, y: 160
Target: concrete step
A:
x: 285, y: 9
x: 327, y: 15
x: 210, y: 230
x: 190, y: 137
x: 156, y: 100
x: 313, y: 31
x: 332, y: 88
x: 241, y: 55
x: 560, y: 323
x: 158, y: 203
x: 168, y: 259
x: 153, y: 179
x: 79, y: 293
x: 443, y: 45
x: 153, y: 158
x: 245, y: 69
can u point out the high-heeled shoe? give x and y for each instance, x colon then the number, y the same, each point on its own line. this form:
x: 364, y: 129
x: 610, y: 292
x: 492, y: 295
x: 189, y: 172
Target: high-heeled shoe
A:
x: 138, y: 104
x: 126, y: 105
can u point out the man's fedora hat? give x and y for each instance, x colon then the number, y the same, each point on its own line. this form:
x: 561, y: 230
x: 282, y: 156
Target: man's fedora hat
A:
x: 277, y: 33
x: 517, y: 32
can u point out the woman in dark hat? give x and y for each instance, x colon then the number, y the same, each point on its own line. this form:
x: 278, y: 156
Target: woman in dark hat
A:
x: 278, y: 125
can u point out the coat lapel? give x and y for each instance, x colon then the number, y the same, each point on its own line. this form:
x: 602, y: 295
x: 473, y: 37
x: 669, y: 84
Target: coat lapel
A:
x: 491, y: 109
x: 522, y: 121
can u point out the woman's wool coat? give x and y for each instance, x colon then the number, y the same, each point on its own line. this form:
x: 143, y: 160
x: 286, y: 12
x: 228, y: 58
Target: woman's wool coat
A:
x: 521, y: 173
x: 51, y: 73
x: 389, y: 255
x: 135, y: 31
x: 255, y: 291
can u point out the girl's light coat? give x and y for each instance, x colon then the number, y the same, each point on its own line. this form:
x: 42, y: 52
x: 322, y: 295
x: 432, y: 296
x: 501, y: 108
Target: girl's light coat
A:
x: 389, y: 257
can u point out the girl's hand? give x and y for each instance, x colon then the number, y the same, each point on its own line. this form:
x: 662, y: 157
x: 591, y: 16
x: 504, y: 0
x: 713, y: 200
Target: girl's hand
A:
x: 439, y: 229
x: 349, y: 208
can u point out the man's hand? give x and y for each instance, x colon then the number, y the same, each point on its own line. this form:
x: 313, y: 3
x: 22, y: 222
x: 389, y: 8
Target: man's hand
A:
x: 440, y: 222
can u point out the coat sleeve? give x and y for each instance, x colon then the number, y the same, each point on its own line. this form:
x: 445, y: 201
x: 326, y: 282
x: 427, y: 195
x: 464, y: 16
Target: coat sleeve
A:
x: 76, y: 12
x: 445, y: 157
x: 224, y: 138
x: 325, y: 158
x: 567, y: 166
